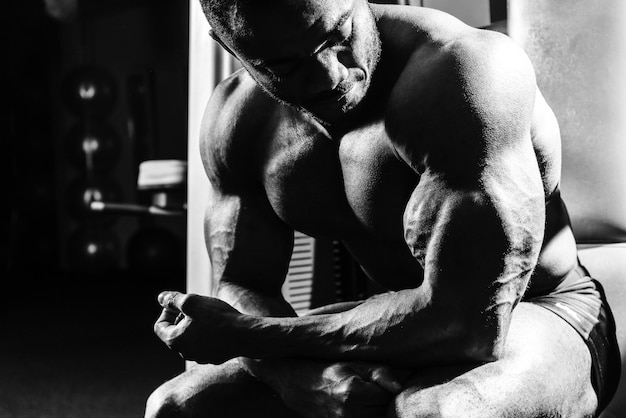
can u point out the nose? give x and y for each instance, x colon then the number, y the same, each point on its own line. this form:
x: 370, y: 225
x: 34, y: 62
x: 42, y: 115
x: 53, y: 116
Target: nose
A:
x: 327, y: 72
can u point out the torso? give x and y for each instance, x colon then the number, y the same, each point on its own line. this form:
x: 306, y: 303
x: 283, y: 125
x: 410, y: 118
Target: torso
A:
x: 354, y: 187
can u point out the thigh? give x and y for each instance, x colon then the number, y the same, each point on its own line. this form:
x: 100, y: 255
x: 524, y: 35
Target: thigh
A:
x: 224, y: 390
x: 544, y: 372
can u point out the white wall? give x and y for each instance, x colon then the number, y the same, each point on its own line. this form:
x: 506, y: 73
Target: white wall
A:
x: 201, y: 81
x: 208, y: 65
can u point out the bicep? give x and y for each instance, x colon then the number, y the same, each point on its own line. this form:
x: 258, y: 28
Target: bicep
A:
x: 481, y: 239
x: 469, y: 137
x: 475, y: 221
x: 247, y: 243
x: 479, y: 242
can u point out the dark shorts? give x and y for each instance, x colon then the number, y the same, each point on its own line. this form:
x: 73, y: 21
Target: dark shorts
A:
x: 581, y: 302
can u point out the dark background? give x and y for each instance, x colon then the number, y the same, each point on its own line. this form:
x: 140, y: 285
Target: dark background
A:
x: 79, y: 288
x: 135, y: 55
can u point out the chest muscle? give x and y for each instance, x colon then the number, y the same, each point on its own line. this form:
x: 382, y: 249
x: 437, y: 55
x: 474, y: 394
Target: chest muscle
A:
x: 338, y: 187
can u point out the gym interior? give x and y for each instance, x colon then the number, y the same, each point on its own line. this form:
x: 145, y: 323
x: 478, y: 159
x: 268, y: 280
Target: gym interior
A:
x: 106, y: 190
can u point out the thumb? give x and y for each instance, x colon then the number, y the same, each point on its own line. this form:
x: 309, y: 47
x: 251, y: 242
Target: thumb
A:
x: 171, y: 300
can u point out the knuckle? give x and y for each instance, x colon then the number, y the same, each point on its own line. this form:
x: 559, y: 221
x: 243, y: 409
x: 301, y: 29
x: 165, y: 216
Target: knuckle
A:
x: 347, y: 387
x: 332, y: 371
x: 189, y: 302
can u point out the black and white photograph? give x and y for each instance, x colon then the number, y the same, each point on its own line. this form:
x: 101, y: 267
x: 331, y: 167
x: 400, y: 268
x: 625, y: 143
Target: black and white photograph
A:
x: 314, y: 209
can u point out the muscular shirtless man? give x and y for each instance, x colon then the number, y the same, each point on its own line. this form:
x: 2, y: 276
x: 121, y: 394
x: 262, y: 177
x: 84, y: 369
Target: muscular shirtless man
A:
x: 425, y: 146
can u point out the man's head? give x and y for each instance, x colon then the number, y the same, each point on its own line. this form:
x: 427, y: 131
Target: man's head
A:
x: 316, y: 55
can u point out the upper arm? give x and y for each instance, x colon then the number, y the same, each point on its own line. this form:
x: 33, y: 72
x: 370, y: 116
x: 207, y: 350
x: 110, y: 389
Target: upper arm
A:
x: 475, y: 220
x: 249, y: 246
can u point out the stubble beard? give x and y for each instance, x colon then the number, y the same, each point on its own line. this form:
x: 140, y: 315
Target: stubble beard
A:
x: 373, y: 46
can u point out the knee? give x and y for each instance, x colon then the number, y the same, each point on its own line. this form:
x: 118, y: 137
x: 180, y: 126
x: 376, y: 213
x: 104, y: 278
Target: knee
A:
x: 437, y: 402
x: 163, y: 403
x: 414, y: 403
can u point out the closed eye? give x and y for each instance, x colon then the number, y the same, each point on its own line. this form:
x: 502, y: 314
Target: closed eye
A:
x: 283, y: 70
x: 344, y: 33
x: 278, y: 70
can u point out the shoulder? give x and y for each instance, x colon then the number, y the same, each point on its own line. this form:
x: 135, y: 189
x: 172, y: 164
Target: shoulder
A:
x: 463, y: 93
x: 479, y: 76
x: 233, y: 118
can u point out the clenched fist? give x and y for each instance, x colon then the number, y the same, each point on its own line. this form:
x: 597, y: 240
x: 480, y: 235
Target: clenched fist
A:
x: 199, y: 328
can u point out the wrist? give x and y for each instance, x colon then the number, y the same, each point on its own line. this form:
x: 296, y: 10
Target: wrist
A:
x: 253, y: 337
x: 298, y: 337
x: 264, y: 337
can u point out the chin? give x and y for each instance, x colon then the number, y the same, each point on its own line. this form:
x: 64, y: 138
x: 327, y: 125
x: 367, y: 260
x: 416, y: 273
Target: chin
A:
x: 330, y: 117
x: 337, y: 112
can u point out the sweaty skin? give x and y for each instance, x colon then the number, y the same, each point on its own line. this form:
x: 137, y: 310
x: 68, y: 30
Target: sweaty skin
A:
x: 437, y: 164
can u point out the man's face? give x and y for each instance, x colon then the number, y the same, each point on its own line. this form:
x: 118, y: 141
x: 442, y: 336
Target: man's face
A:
x: 316, y: 55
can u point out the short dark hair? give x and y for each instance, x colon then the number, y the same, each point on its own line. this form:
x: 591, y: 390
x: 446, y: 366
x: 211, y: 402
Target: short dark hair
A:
x: 225, y: 16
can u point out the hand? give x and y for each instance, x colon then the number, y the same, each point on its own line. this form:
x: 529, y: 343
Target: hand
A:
x: 336, y: 390
x: 199, y: 328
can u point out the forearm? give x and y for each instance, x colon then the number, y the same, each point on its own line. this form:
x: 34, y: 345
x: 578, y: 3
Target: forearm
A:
x: 254, y: 302
x: 400, y: 328
x: 278, y: 373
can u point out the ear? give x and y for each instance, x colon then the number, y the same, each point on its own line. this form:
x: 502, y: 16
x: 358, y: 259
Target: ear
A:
x: 217, y: 39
